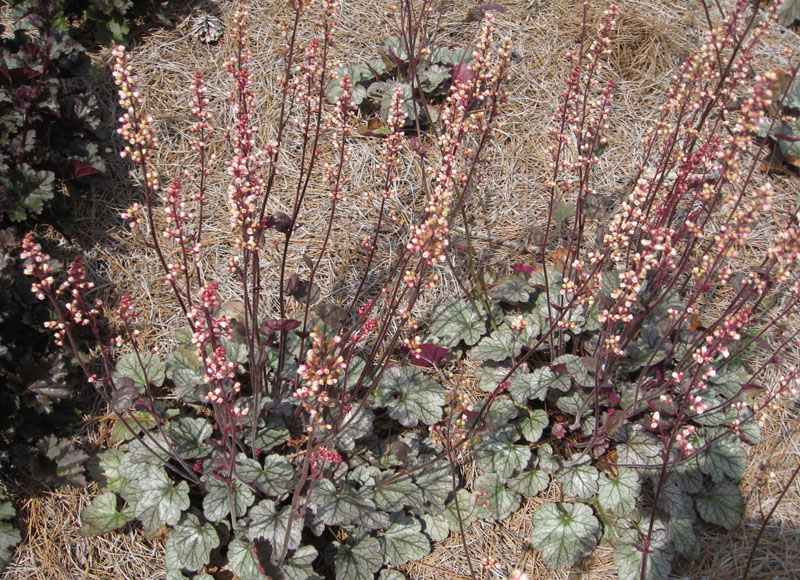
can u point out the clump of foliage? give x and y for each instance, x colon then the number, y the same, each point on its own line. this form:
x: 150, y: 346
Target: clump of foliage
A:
x: 303, y: 438
x: 49, y: 133
x: 102, y: 21
x: 423, y: 81
x: 291, y: 424
x: 37, y: 401
x: 9, y: 535
x: 50, y: 128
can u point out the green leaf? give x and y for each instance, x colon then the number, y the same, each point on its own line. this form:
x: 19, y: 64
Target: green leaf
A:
x: 185, y: 372
x: 102, y: 515
x: 466, y: 511
x: 435, y: 482
x: 397, y: 494
x: 629, y: 551
x: 359, y: 562
x: 411, y: 396
x: 501, y: 411
x: 188, y: 436
x: 433, y: 76
x: 498, y: 346
x: 533, y: 425
x: 104, y: 468
x: 548, y: 461
x: 531, y: 385
x: 216, y: 504
x: 490, y: 375
x: 192, y: 541
x: 335, y: 507
x: 151, y: 369
x: 7, y: 510
x: 269, y: 524
x: 680, y: 529
x: 637, y: 446
x: 403, y: 541
x: 454, y: 321
x: 619, y: 494
x: 436, y: 527
x: 389, y: 574
x: 564, y: 532
x: 298, y: 566
x: 502, y: 502
x: 497, y: 453
x: 725, y: 457
x: 9, y: 537
x: 357, y: 426
x: 530, y: 483
x: 578, y: 480
x: 274, y: 478
x: 271, y: 433
x: 244, y: 561
x: 512, y: 290
x: 158, y: 501
x: 721, y: 505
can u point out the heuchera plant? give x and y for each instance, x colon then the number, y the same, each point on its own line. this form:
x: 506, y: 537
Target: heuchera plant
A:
x: 295, y: 445
x: 50, y: 130
x: 300, y: 447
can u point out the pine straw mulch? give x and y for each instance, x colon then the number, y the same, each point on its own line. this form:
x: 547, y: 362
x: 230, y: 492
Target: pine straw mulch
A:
x: 506, y: 215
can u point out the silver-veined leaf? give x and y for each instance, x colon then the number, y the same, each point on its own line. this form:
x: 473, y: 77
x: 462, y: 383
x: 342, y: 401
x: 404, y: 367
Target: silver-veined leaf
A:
x: 265, y: 522
x: 564, y: 532
x: 530, y: 483
x: 721, y: 505
x: 498, y: 346
x: 217, y: 505
x: 619, y: 493
x: 359, y: 562
x: 339, y: 506
x: 159, y: 501
x: 497, y: 452
x: 578, y: 480
x: 403, y: 541
x: 244, y: 561
x: 143, y: 367
x: 188, y: 435
x: 454, y: 321
x: 533, y: 425
x: 192, y: 542
x: 411, y: 396
x: 103, y: 516
x: 500, y: 502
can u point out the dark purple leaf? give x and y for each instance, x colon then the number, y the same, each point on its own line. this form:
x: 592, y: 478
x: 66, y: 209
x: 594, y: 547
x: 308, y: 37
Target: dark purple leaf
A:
x: 519, y: 268
x: 76, y: 169
x: 280, y: 325
x: 124, y: 393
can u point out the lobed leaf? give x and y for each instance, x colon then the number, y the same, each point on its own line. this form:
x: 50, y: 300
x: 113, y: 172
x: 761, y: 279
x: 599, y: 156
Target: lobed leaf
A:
x: 411, y: 396
x: 244, y: 560
x: 721, y: 505
x: 403, y: 541
x: 103, y: 516
x: 501, y: 502
x: 158, y: 501
x: 216, y: 503
x: 578, y: 480
x: 497, y: 452
x: 454, y: 321
x: 267, y: 523
x: 192, y: 541
x: 359, y: 562
x: 564, y: 532
x: 619, y: 494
